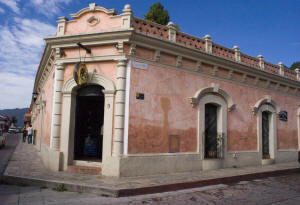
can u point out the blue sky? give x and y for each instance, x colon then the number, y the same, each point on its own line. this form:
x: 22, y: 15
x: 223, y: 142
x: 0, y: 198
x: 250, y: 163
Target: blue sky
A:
x: 267, y: 27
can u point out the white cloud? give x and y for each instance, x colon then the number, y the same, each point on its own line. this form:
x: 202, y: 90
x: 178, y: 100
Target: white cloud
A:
x: 49, y: 7
x: 15, y: 90
x: 12, y: 4
x: 20, y: 53
x: 2, y: 11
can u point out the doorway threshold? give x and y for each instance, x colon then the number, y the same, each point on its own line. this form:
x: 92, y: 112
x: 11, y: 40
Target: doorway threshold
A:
x: 87, y: 163
x: 267, y: 161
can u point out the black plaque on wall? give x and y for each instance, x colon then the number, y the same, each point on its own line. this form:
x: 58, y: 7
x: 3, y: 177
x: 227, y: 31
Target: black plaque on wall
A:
x: 283, y: 116
x: 140, y: 96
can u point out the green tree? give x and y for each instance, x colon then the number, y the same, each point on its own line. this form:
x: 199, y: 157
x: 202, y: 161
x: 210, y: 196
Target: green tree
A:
x: 157, y: 14
x: 295, y: 65
x: 14, y: 120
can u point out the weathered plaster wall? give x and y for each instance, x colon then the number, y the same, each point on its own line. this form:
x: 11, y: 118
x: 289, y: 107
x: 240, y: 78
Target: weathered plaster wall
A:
x: 165, y: 121
x: 45, y: 122
x: 80, y: 25
x: 48, y: 88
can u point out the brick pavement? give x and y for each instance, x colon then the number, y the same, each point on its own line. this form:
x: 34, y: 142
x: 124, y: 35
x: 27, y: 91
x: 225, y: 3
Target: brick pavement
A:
x: 26, y: 167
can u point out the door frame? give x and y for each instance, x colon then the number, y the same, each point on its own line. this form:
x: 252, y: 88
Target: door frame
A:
x: 68, y: 119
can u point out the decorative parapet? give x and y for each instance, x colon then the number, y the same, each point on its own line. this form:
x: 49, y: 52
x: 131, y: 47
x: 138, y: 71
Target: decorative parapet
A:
x: 208, y: 44
x: 126, y: 17
x: 150, y: 28
x: 261, y: 62
x: 172, y: 31
x: 249, y: 60
x: 237, y: 53
x: 61, y: 26
x: 281, y: 68
x: 222, y: 51
x: 297, y: 70
x: 169, y: 33
x: 190, y: 41
x: 290, y: 74
x: 93, y: 7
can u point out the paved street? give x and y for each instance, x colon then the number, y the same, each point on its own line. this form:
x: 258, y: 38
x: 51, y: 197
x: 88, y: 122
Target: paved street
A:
x: 6, y: 152
x: 273, y: 190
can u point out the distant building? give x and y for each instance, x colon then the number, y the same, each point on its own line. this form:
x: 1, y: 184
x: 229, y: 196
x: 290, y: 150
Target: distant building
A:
x: 130, y: 97
x: 27, y: 119
x: 4, y: 123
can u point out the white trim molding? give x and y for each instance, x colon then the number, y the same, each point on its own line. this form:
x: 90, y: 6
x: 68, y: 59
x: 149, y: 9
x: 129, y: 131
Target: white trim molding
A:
x: 221, y: 129
x: 126, y: 118
x: 267, y: 99
x: 214, y: 88
x: 272, y: 129
x: 68, y: 116
x: 298, y: 126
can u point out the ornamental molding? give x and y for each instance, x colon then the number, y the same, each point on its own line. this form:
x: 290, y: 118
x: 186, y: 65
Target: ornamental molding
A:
x: 96, y: 79
x: 213, y: 89
x: 93, y: 7
x: 93, y: 21
x: 267, y: 99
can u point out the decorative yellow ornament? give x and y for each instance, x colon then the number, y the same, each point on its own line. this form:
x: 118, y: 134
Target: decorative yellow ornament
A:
x: 81, y: 73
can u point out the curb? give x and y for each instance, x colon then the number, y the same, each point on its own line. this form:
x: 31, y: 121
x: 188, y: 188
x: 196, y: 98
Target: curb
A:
x: 206, y: 182
x: 107, y: 191
x: 73, y: 187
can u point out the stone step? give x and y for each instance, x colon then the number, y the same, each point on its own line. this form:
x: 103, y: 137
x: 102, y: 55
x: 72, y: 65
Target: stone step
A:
x: 84, y: 169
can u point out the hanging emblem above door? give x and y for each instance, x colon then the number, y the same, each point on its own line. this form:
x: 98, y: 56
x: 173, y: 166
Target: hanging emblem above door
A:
x: 81, y: 73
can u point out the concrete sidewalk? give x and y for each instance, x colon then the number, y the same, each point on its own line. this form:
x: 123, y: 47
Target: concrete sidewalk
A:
x: 26, y: 168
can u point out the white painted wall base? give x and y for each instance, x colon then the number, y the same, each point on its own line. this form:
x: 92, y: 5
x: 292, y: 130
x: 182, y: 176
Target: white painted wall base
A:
x: 139, y: 165
x: 52, y: 159
x: 242, y: 159
x: 111, y: 166
x: 267, y: 161
x: 286, y: 156
x: 211, y: 164
x: 151, y: 164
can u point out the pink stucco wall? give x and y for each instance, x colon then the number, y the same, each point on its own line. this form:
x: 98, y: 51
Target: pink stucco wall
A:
x: 80, y: 25
x: 95, y: 51
x: 43, y: 123
x: 108, y: 69
x: 166, y: 112
x: 48, y: 109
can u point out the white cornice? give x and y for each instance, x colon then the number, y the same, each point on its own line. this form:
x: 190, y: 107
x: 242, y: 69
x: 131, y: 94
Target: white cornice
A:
x: 93, y: 59
x: 91, y: 37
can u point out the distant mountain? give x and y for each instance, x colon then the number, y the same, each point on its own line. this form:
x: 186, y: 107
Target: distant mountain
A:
x: 18, y: 112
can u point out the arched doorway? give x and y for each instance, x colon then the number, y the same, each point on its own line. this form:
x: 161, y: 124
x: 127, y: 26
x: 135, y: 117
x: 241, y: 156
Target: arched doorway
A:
x: 89, y: 118
x: 211, y: 130
x: 266, y: 134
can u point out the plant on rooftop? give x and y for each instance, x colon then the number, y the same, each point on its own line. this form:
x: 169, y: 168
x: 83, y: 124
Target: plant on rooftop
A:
x: 295, y: 65
x: 157, y: 14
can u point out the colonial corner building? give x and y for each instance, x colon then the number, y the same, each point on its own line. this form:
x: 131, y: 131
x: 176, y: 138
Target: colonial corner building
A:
x: 128, y: 97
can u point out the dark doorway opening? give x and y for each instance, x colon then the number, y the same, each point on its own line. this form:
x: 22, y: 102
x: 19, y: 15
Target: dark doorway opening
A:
x: 266, y: 134
x: 89, y: 123
x: 211, y: 131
